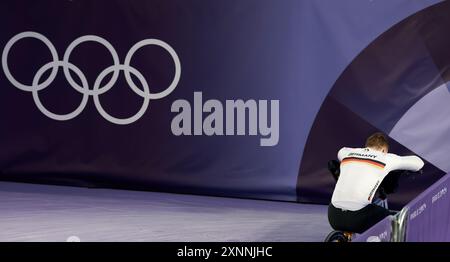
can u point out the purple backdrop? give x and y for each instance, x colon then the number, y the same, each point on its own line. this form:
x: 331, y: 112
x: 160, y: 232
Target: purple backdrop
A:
x: 337, y: 71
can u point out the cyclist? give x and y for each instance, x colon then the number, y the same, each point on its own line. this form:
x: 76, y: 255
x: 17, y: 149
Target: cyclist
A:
x: 362, y: 170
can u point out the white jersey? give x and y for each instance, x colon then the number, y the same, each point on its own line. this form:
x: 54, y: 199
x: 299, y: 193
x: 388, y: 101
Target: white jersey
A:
x: 362, y: 171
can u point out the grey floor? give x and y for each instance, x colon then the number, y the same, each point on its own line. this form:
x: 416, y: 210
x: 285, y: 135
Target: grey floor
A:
x: 56, y: 213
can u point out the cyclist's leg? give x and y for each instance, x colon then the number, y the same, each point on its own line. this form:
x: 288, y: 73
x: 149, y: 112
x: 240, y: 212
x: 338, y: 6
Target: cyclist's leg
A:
x: 343, y: 220
x: 371, y: 215
x: 356, y: 221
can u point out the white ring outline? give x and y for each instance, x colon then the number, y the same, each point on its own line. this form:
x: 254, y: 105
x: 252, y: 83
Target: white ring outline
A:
x: 11, y: 42
x: 172, y: 53
x: 145, y: 104
x: 44, y: 110
x: 96, y: 39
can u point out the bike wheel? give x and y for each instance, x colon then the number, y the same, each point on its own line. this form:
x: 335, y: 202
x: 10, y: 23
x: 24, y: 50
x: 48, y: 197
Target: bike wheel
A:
x: 336, y: 236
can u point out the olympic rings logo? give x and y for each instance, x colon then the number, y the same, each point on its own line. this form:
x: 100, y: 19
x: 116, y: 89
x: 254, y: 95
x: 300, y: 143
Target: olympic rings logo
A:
x: 97, y: 90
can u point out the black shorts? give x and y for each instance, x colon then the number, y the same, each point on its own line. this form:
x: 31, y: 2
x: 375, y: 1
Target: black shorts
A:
x: 356, y: 221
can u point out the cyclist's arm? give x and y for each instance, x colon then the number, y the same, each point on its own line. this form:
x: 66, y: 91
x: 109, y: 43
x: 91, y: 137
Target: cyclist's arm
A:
x: 342, y: 153
x: 410, y: 163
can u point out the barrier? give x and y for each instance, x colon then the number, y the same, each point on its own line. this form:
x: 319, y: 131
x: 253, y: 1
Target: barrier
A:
x: 428, y: 215
x: 426, y: 218
x: 381, y: 232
